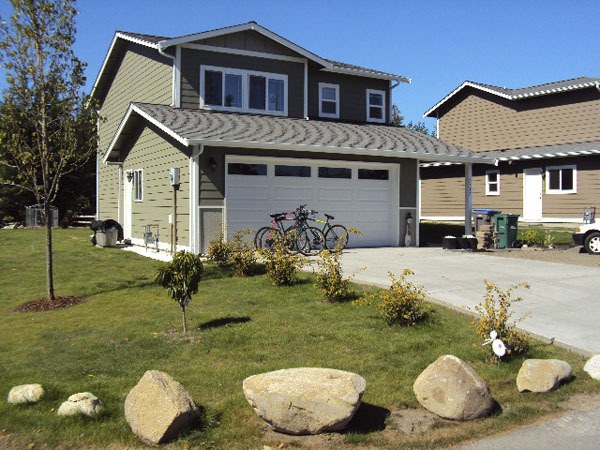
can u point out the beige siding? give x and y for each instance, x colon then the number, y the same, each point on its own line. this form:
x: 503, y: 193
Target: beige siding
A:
x: 155, y: 156
x: 353, y: 94
x: 143, y: 76
x: 481, y: 121
x: 193, y: 59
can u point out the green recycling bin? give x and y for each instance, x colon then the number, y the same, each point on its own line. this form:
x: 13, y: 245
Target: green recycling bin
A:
x: 506, y: 225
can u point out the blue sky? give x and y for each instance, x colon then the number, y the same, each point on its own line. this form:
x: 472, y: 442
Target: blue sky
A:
x: 436, y: 43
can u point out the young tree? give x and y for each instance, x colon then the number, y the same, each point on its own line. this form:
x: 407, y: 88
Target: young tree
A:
x: 47, y: 126
x: 180, y: 278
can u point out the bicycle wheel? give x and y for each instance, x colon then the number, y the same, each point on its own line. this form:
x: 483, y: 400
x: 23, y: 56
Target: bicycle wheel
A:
x: 336, y: 238
x: 265, y: 238
x: 292, y: 235
x: 311, y: 241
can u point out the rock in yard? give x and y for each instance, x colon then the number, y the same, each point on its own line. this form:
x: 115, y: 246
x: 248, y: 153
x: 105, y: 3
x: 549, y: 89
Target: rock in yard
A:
x: 305, y: 400
x: 84, y: 403
x: 158, y: 408
x: 450, y: 388
x: 543, y: 375
x: 26, y: 393
x: 592, y: 367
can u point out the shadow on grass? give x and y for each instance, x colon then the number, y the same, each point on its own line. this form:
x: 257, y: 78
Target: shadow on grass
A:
x: 223, y: 322
x: 368, y: 418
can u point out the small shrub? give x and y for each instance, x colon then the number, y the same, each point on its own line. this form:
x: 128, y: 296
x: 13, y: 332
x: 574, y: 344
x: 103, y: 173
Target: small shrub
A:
x: 282, y: 265
x: 548, y: 240
x: 219, y: 251
x: 495, y: 314
x: 329, y: 278
x: 533, y: 236
x: 243, y: 255
x: 403, y: 303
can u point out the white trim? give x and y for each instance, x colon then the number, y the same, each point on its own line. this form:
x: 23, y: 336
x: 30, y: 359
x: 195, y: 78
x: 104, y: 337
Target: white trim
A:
x: 245, y: 75
x: 119, y: 192
x: 560, y: 191
x: 336, y: 88
x: 488, y: 191
x: 367, y: 73
x: 194, y: 231
x: 163, y: 246
x: 305, y: 90
x: 521, y: 219
x: 418, y: 207
x: 237, y: 51
x: 140, y: 177
x: 383, y: 100
x: 443, y: 218
x: 177, y: 78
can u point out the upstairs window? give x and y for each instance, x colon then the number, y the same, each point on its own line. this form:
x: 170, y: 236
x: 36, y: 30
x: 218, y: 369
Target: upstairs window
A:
x: 243, y: 90
x: 329, y: 100
x: 492, y: 182
x: 561, y: 180
x: 138, y: 186
x: 375, y: 106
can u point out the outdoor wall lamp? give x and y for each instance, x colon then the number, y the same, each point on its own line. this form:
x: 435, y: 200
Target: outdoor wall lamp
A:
x: 129, y: 175
x: 212, y: 164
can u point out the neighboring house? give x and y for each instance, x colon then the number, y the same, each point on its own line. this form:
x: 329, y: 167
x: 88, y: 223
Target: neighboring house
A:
x: 255, y: 124
x: 546, y: 140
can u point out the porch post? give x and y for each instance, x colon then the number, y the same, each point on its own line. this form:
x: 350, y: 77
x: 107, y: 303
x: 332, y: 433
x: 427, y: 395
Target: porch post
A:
x: 194, y: 196
x: 468, y: 197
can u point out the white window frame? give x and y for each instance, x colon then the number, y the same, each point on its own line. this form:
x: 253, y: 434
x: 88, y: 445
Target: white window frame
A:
x: 138, y: 177
x: 245, y: 74
x: 336, y: 87
x: 561, y: 191
x: 369, y: 118
x: 488, y: 191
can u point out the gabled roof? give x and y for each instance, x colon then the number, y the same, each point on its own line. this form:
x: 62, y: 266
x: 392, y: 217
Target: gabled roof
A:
x: 195, y: 127
x: 547, y: 151
x: 521, y: 93
x: 160, y: 43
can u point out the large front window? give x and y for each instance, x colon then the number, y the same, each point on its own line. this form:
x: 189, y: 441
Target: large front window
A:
x: 375, y: 106
x: 243, y: 90
x: 561, y: 180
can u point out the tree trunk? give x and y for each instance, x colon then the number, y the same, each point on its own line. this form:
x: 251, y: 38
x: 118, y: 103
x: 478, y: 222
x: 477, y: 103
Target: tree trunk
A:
x: 49, y: 261
x: 184, y: 319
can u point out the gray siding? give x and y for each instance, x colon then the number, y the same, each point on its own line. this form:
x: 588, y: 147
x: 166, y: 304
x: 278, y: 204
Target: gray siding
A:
x: 193, y: 59
x: 143, y: 76
x: 248, y: 40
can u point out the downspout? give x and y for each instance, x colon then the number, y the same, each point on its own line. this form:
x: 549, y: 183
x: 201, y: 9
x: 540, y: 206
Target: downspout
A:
x: 161, y: 51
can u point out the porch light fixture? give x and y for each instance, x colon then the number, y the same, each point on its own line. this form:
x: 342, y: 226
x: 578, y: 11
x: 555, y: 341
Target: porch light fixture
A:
x: 212, y: 164
x: 129, y: 175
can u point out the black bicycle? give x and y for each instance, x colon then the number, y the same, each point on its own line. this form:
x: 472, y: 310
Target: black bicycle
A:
x: 336, y: 236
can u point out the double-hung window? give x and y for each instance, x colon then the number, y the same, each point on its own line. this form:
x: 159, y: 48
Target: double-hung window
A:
x: 492, y: 182
x: 240, y: 90
x: 138, y: 185
x: 329, y: 100
x: 375, y: 106
x: 561, y: 180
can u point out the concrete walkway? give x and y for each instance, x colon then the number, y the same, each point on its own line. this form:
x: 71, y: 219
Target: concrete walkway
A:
x: 563, y: 300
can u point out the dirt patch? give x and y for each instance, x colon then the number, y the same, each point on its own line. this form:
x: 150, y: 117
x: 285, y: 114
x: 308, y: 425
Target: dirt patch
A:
x: 572, y: 255
x: 43, y: 304
x: 411, y: 420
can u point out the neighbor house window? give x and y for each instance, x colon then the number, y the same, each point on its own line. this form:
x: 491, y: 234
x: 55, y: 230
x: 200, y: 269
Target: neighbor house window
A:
x: 138, y: 185
x: 561, y: 180
x: 375, y: 106
x: 492, y: 182
x: 329, y: 100
x: 243, y: 90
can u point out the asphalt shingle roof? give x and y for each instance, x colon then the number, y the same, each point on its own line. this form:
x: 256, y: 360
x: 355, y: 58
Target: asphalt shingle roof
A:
x: 191, y: 126
x: 547, y: 151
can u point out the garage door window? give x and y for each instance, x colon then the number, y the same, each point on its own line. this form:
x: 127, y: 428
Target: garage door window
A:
x: 371, y: 174
x: 292, y: 171
x: 335, y: 172
x: 246, y: 169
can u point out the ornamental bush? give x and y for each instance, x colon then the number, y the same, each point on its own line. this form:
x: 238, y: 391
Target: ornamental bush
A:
x: 219, y: 251
x: 282, y: 264
x: 329, y: 279
x: 243, y: 255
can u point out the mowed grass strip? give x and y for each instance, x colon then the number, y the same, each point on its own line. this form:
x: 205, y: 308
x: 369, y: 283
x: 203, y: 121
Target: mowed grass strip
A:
x: 240, y: 327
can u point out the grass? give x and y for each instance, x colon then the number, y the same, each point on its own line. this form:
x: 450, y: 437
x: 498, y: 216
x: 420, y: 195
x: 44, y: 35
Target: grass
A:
x: 241, y: 327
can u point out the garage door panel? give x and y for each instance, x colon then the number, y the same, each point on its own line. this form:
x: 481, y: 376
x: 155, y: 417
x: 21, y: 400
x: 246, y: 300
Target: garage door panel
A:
x: 334, y: 194
x: 298, y: 194
x: 248, y: 192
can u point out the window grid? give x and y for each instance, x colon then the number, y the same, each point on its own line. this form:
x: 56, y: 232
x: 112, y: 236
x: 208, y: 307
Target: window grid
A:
x: 375, y: 106
x: 329, y: 100
x: 492, y: 182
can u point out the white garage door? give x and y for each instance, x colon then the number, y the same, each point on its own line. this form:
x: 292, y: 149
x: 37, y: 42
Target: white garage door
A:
x: 360, y: 195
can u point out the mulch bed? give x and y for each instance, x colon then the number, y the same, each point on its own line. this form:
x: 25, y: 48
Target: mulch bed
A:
x: 43, y: 304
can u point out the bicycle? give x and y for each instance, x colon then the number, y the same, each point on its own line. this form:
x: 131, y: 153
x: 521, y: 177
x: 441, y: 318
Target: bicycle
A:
x: 336, y: 236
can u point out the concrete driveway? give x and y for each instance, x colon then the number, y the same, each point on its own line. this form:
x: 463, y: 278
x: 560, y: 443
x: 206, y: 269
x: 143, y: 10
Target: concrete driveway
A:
x: 563, y: 300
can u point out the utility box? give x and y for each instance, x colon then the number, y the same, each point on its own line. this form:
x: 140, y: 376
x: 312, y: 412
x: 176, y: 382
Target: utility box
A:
x: 507, y: 226
x: 483, y: 216
x: 107, y: 238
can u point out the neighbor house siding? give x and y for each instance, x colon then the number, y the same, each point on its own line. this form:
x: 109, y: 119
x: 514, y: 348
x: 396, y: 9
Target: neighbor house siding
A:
x: 353, y: 94
x: 481, y: 121
x: 143, y: 76
x: 193, y: 59
x: 155, y: 156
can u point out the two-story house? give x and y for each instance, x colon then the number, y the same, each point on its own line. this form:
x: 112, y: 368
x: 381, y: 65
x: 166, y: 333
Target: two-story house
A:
x: 254, y: 124
x: 546, y: 139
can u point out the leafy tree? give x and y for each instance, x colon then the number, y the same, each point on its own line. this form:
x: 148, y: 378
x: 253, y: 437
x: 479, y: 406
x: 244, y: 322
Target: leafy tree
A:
x: 397, y: 117
x: 421, y: 127
x: 181, y: 277
x: 47, y: 126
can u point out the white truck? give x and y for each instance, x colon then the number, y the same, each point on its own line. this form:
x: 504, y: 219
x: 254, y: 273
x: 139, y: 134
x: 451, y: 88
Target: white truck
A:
x: 588, y: 235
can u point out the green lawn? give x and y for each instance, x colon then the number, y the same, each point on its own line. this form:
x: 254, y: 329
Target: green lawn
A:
x: 241, y: 326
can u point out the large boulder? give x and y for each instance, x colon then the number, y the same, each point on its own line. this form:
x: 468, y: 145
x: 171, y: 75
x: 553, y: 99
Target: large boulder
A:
x: 592, y: 367
x: 84, y: 403
x: 26, y: 393
x: 158, y: 408
x: 450, y: 388
x: 305, y: 400
x: 543, y: 375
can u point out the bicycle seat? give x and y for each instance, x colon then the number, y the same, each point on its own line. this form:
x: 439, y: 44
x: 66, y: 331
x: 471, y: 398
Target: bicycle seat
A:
x: 329, y: 217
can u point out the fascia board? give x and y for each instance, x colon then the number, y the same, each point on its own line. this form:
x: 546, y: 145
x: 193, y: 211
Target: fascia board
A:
x: 368, y: 74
